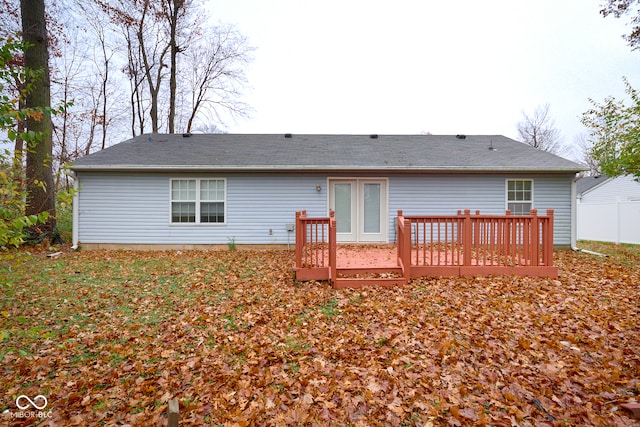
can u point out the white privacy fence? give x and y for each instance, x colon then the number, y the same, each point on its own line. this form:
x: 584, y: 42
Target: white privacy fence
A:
x: 617, y: 222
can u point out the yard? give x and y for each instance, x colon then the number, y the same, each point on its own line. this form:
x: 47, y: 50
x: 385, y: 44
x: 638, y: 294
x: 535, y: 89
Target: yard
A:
x: 110, y: 337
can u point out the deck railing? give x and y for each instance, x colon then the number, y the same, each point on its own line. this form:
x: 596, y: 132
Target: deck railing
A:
x: 465, y: 244
x: 315, y: 247
x: 472, y: 244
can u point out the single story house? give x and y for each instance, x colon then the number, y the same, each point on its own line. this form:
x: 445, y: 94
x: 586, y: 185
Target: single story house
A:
x: 195, y: 190
x: 608, y: 209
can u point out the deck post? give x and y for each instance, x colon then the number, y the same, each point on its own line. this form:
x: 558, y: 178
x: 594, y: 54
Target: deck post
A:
x: 507, y: 232
x: 333, y: 248
x: 467, y: 238
x: 548, y: 240
x: 535, y: 238
x: 404, y: 244
x: 399, y: 219
x: 406, y: 250
x: 299, y: 243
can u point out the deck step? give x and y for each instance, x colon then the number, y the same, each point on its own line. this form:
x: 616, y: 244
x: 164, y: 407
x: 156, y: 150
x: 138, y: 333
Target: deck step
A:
x: 347, y: 271
x: 358, y: 282
x: 358, y: 277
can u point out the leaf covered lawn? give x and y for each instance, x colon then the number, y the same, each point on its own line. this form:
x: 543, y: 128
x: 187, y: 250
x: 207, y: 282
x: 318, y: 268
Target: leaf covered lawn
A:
x: 110, y: 337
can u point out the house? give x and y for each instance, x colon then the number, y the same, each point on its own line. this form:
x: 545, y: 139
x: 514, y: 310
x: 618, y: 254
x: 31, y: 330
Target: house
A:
x: 608, y: 209
x: 184, y: 191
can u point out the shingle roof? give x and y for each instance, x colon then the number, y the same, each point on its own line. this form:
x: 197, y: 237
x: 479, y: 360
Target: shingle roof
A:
x: 217, y: 152
x: 588, y: 182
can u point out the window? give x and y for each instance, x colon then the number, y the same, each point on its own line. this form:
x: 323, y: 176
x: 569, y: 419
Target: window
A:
x: 197, y: 201
x: 519, y: 196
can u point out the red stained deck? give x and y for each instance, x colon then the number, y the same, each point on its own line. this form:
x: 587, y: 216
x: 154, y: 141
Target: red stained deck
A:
x: 460, y: 245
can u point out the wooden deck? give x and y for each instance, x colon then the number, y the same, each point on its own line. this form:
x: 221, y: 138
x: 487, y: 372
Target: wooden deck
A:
x: 461, y: 245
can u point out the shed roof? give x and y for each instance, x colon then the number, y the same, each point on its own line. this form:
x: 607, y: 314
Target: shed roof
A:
x: 586, y: 183
x: 278, y: 152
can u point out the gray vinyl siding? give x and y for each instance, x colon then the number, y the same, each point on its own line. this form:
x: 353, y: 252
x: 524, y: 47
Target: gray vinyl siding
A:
x: 622, y: 188
x: 446, y: 194
x: 134, y: 208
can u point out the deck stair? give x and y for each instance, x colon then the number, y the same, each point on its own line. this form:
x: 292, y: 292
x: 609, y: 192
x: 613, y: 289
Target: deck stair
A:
x: 357, y: 277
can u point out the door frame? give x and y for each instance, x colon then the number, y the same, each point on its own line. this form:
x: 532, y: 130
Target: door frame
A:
x: 358, y: 212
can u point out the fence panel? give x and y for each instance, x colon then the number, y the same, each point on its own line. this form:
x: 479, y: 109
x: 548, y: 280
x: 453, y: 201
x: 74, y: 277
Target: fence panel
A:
x: 616, y: 222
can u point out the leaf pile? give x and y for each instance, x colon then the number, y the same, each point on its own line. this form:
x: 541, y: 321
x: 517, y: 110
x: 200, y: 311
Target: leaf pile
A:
x: 110, y: 337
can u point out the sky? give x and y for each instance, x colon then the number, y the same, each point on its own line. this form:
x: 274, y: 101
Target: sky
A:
x: 418, y: 66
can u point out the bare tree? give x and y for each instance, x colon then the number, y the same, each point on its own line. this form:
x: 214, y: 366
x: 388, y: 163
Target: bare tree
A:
x: 583, y: 149
x: 173, y: 11
x: 216, y: 75
x: 168, y: 39
x: 539, y: 131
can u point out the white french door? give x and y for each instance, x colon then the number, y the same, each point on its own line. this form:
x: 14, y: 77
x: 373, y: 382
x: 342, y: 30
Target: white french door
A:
x: 360, y: 205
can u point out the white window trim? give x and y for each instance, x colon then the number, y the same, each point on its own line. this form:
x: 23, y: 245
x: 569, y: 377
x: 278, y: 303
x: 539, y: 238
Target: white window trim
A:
x: 198, y: 201
x: 506, y: 193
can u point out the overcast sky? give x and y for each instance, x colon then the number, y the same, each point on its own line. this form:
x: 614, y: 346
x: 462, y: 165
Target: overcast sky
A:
x: 406, y: 67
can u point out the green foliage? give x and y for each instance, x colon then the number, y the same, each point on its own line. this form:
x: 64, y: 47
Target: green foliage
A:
x: 14, y: 75
x: 13, y: 222
x: 232, y: 243
x: 64, y: 215
x: 615, y: 134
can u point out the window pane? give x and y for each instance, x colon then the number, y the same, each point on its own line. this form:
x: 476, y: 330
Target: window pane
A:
x: 183, y: 212
x: 519, y: 190
x: 183, y: 189
x: 191, y: 189
x: 204, y: 189
x: 343, y: 207
x: 212, y: 212
x: 372, y: 208
x: 212, y: 189
x: 519, y: 208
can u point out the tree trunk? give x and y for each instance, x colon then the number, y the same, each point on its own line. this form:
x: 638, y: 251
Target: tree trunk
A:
x: 173, y: 25
x: 39, y: 175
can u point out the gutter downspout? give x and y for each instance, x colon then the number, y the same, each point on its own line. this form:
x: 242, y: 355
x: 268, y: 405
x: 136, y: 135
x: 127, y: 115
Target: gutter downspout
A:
x: 75, y: 211
x: 574, y: 212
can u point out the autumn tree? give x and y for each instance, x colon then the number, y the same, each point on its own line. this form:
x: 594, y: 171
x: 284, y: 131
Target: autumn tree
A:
x: 539, y: 130
x: 619, y: 8
x: 614, y: 127
x: 39, y: 176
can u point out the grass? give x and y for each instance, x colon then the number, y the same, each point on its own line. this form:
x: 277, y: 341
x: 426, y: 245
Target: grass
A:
x: 625, y: 254
x: 109, y: 337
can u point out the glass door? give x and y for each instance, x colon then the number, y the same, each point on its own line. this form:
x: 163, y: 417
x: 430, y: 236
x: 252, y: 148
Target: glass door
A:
x: 372, y: 212
x: 361, y: 209
x: 344, y: 203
